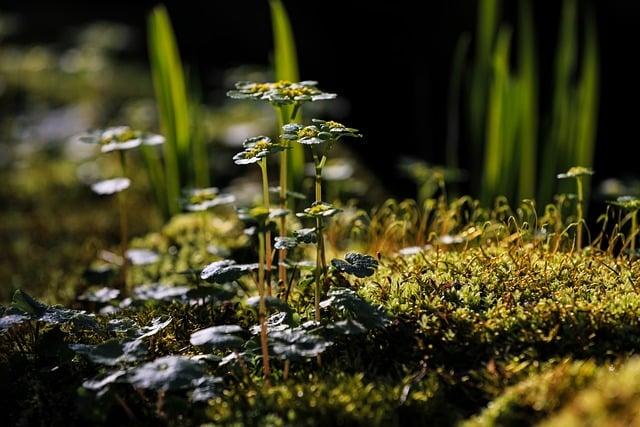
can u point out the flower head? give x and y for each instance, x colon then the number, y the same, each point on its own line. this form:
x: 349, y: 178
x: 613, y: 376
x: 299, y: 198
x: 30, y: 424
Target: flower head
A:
x: 281, y: 92
x: 201, y: 199
x: 575, y: 172
x: 255, y: 149
x: 120, y: 138
x: 319, y: 210
x: 319, y: 133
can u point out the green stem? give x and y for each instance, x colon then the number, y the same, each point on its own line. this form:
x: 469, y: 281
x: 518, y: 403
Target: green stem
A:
x: 634, y: 230
x: 320, y: 272
x: 265, y: 195
x: 579, y: 206
x: 262, y: 307
x: 124, y: 229
x: 284, y: 161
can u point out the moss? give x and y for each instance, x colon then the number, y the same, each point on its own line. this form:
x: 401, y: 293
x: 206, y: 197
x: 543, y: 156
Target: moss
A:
x: 537, y: 396
x: 612, y: 399
x: 334, y: 399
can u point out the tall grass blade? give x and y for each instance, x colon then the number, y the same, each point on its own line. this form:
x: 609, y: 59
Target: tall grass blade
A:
x: 528, y: 130
x: 497, y: 130
x: 557, y: 155
x: 171, y: 97
x: 286, y: 68
x: 453, y: 104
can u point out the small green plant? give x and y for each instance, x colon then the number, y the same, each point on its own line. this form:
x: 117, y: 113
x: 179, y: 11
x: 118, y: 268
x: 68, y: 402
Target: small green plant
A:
x: 578, y: 173
x: 184, y: 161
x: 119, y: 139
x: 256, y: 150
x: 287, y: 98
x: 320, y: 136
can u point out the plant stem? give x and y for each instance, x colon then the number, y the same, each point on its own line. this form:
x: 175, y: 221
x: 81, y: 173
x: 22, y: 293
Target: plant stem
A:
x: 282, y: 253
x: 265, y: 195
x: 124, y: 233
x: 262, y: 308
x: 634, y: 230
x: 580, y: 201
x: 320, y: 261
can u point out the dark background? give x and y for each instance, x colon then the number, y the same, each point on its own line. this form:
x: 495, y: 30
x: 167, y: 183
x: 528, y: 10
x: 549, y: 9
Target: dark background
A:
x: 391, y: 61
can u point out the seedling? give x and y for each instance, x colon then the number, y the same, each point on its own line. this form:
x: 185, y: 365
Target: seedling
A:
x: 319, y: 137
x: 578, y: 172
x: 281, y: 95
x: 120, y: 139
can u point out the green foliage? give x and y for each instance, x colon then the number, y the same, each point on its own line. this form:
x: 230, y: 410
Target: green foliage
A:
x: 504, y: 107
x: 183, y: 162
x: 359, y: 265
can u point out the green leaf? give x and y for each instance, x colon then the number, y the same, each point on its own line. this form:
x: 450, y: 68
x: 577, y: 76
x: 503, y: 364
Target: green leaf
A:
x: 297, y: 343
x: 347, y: 302
x: 225, y: 271
x: 359, y: 265
x: 167, y: 373
x: 112, y: 352
x: 221, y: 337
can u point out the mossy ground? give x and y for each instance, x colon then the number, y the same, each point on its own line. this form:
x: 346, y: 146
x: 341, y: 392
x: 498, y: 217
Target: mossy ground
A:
x: 499, y: 328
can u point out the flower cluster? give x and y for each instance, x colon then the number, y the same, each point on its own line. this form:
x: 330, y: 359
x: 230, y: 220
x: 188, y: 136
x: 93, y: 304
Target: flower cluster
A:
x: 280, y: 93
x: 120, y: 138
x: 255, y: 149
x: 319, y: 133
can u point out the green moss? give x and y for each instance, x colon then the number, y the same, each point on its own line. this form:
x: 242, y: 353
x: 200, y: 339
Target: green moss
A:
x: 334, y: 399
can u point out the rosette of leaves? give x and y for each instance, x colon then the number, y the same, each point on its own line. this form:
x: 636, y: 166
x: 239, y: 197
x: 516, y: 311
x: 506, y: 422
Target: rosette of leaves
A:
x: 256, y: 149
x: 320, y: 133
x: 359, y: 265
x: 120, y: 138
x: 319, y: 210
x: 202, y: 199
x: 167, y: 373
x: 280, y: 93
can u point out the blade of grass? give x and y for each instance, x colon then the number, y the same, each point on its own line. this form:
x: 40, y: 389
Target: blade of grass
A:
x: 286, y: 68
x: 558, y: 148
x: 453, y: 104
x: 171, y: 97
x: 528, y: 131
x: 494, y: 160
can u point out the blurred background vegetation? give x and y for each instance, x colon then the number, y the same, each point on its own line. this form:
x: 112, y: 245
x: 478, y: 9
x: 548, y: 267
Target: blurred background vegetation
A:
x: 495, y: 98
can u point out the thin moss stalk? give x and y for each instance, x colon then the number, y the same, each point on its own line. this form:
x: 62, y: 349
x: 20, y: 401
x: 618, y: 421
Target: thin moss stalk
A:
x: 320, y: 253
x: 579, y: 210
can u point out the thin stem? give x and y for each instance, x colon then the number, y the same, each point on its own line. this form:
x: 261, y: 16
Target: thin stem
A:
x: 262, y: 307
x: 265, y: 195
x: 284, y: 164
x: 124, y: 229
x: 579, y: 210
x: 634, y: 230
x: 320, y: 261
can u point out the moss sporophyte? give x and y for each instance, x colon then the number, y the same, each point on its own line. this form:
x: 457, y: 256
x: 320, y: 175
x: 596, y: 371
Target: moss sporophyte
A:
x: 282, y: 95
x: 578, y: 173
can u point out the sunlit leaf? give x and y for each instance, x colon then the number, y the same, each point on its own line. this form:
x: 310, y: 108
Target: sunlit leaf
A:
x: 167, y: 373
x: 111, y: 186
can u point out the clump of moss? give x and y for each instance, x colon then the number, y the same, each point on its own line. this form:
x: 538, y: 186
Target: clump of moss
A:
x: 612, y: 399
x: 538, y: 395
x: 334, y: 399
